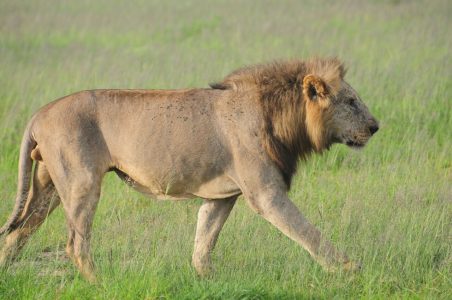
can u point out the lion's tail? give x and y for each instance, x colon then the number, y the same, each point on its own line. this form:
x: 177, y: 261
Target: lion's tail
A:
x: 25, y: 173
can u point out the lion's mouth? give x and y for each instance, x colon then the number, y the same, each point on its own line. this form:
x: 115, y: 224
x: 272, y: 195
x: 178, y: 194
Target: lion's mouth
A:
x: 353, y: 141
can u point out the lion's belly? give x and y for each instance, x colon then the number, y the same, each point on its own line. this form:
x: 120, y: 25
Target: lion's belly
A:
x: 218, y: 188
x: 180, y: 188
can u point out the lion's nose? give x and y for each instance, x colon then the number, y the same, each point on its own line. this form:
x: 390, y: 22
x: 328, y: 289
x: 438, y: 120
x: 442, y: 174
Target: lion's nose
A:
x: 373, y: 129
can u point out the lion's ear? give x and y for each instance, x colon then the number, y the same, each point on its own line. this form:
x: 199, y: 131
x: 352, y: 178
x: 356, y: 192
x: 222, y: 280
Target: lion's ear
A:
x: 314, y: 87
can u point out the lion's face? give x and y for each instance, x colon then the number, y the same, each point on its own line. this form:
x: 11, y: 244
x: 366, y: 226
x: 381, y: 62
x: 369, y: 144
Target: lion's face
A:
x: 339, y: 118
x: 351, y: 122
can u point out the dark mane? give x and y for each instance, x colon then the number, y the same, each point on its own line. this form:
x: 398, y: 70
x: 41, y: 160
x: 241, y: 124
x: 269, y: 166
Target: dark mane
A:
x: 280, y: 89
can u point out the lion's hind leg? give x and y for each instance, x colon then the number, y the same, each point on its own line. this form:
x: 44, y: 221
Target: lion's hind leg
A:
x: 42, y: 200
x: 81, y: 195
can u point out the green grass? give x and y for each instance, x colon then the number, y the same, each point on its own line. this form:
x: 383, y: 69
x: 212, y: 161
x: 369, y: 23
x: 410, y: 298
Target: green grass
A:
x: 389, y: 206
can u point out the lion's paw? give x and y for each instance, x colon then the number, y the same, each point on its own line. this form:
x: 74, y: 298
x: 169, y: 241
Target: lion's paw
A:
x: 352, y: 266
x: 348, y: 266
x: 204, y: 268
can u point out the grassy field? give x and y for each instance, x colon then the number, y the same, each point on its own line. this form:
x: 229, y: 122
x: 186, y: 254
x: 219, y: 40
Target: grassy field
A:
x: 389, y: 206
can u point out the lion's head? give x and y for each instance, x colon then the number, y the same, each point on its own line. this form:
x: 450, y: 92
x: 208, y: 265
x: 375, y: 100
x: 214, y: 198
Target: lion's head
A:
x: 307, y: 107
x: 335, y: 113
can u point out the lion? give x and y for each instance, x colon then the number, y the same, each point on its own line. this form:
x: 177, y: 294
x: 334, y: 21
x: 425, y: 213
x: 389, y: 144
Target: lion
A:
x: 241, y: 136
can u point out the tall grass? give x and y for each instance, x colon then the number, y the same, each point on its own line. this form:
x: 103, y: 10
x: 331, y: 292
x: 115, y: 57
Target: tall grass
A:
x: 388, y: 205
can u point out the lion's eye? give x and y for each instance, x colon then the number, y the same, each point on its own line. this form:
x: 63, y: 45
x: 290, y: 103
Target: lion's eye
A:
x: 351, y: 102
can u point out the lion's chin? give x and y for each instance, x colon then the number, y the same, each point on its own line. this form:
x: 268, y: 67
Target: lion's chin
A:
x: 355, y: 144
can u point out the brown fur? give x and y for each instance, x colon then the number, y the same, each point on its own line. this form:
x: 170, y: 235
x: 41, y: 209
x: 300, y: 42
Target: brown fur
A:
x: 290, y: 130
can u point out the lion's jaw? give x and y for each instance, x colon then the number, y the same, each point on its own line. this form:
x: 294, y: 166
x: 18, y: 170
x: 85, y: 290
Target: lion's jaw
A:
x: 351, y: 122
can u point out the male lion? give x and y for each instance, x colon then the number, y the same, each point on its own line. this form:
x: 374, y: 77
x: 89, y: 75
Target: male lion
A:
x: 241, y: 136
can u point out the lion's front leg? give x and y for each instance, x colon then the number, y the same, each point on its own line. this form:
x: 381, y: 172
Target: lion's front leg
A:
x: 211, y: 217
x: 277, y: 208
